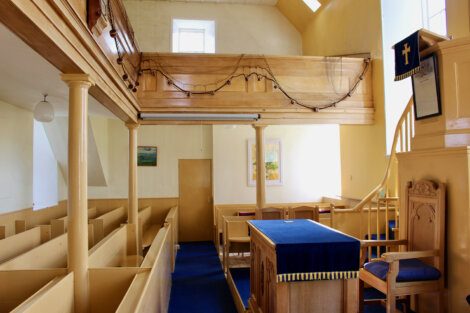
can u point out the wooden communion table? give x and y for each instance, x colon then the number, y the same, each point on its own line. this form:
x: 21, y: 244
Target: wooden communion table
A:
x: 300, y: 266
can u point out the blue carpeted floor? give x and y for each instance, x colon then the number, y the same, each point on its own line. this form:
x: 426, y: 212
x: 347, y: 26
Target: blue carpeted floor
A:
x: 199, y: 285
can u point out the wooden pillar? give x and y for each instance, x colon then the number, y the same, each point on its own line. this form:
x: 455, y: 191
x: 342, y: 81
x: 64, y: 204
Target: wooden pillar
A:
x: 133, y: 206
x: 77, y: 233
x: 260, y: 170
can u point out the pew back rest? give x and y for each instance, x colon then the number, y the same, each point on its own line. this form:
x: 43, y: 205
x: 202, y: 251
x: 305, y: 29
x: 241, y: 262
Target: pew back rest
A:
x: 15, y: 245
x: 236, y: 226
x: 272, y: 213
x: 52, y: 254
x: 111, y: 251
x: 106, y: 223
x: 305, y: 212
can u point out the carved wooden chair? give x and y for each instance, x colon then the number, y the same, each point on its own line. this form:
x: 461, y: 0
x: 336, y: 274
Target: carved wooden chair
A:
x: 421, y: 268
x: 272, y: 213
x: 305, y: 212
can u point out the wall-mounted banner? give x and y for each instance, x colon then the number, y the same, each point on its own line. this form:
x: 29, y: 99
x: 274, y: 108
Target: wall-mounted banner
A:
x: 407, y: 61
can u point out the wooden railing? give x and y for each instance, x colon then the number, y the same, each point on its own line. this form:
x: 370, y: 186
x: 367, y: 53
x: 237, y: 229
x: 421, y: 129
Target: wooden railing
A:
x: 378, y: 206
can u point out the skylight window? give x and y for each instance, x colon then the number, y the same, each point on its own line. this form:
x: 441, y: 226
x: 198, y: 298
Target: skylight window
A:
x: 313, y: 4
x: 193, y: 36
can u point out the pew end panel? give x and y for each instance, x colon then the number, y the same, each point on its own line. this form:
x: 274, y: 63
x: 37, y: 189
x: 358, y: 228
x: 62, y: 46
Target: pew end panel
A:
x: 16, y: 286
x: 55, y: 297
x: 108, y: 287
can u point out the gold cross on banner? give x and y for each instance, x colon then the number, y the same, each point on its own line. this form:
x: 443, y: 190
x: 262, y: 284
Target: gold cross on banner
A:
x: 405, y: 52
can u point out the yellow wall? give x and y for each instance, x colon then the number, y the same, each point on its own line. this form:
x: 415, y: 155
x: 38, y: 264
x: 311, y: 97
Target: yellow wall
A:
x: 349, y: 27
x: 240, y: 28
x: 16, y: 158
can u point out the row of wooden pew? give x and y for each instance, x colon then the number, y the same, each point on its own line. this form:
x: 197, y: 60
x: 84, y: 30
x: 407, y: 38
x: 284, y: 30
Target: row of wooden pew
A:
x: 33, y: 265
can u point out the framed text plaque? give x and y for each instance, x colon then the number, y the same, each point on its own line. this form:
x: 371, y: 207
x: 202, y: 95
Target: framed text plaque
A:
x: 426, y: 94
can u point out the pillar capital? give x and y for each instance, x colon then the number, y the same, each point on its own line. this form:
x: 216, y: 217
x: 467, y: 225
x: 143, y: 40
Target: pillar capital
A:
x: 260, y: 126
x: 81, y: 79
x: 131, y: 125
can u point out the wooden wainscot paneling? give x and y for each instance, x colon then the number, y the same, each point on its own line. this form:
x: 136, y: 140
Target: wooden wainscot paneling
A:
x: 314, y: 81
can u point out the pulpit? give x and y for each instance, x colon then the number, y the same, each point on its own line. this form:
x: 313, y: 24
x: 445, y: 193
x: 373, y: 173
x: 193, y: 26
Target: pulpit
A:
x: 301, y: 266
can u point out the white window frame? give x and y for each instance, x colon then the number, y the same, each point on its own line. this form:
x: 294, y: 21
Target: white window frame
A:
x: 427, y: 17
x: 207, y: 26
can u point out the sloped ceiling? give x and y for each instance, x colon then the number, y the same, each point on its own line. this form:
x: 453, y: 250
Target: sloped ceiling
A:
x: 297, y: 12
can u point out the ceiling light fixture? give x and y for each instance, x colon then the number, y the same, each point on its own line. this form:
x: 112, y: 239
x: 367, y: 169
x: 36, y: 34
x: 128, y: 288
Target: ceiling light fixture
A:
x: 44, y: 111
x: 314, y: 5
x: 198, y: 117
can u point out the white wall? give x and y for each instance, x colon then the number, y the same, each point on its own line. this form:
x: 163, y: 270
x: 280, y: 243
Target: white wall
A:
x: 252, y: 29
x: 45, y: 176
x: 16, y: 158
x: 310, y: 161
x: 173, y: 143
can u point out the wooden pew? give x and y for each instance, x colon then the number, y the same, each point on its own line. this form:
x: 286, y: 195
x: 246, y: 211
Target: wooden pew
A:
x: 3, y: 232
x: 59, y: 225
x: 55, y: 297
x: 235, y: 234
x: 147, y: 228
x: 52, y: 254
x: 17, y: 244
x: 172, y: 219
x: 106, y: 223
x: 150, y: 289
x: 16, y: 286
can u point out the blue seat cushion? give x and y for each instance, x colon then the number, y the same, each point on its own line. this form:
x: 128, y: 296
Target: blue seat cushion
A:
x: 409, y: 270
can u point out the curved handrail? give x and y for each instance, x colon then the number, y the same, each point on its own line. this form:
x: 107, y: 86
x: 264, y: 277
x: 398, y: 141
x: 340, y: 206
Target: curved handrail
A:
x: 383, y: 183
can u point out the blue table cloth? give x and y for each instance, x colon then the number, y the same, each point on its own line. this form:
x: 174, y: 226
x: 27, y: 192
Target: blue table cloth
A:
x: 307, y: 250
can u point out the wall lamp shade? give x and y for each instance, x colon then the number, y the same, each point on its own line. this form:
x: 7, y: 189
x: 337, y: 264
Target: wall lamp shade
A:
x: 199, y: 117
x: 44, y: 111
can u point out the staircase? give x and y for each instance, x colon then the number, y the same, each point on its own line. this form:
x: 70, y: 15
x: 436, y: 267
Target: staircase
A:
x: 379, y: 208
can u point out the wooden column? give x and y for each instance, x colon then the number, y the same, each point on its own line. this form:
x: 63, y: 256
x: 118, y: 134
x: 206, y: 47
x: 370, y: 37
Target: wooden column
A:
x: 77, y: 210
x: 133, y: 206
x: 260, y: 169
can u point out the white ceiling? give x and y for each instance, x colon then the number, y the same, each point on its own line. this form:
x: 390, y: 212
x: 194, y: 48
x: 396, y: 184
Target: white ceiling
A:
x: 263, y: 2
x: 25, y: 76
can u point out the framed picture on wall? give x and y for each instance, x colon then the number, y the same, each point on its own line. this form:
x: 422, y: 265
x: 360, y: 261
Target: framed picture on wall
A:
x: 272, y: 158
x: 146, y: 156
x: 426, y: 94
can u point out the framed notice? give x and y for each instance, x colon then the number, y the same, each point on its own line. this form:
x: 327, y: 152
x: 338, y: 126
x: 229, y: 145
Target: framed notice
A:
x: 426, y: 94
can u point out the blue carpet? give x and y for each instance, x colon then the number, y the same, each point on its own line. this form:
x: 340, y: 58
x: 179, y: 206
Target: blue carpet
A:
x: 199, y: 285
x: 241, y: 277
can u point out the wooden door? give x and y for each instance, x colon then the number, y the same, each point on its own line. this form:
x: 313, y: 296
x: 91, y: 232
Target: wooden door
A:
x: 195, y: 204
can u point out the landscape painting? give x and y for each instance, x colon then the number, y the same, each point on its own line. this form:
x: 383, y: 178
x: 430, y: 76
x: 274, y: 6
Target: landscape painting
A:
x: 146, y: 156
x: 272, y: 158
